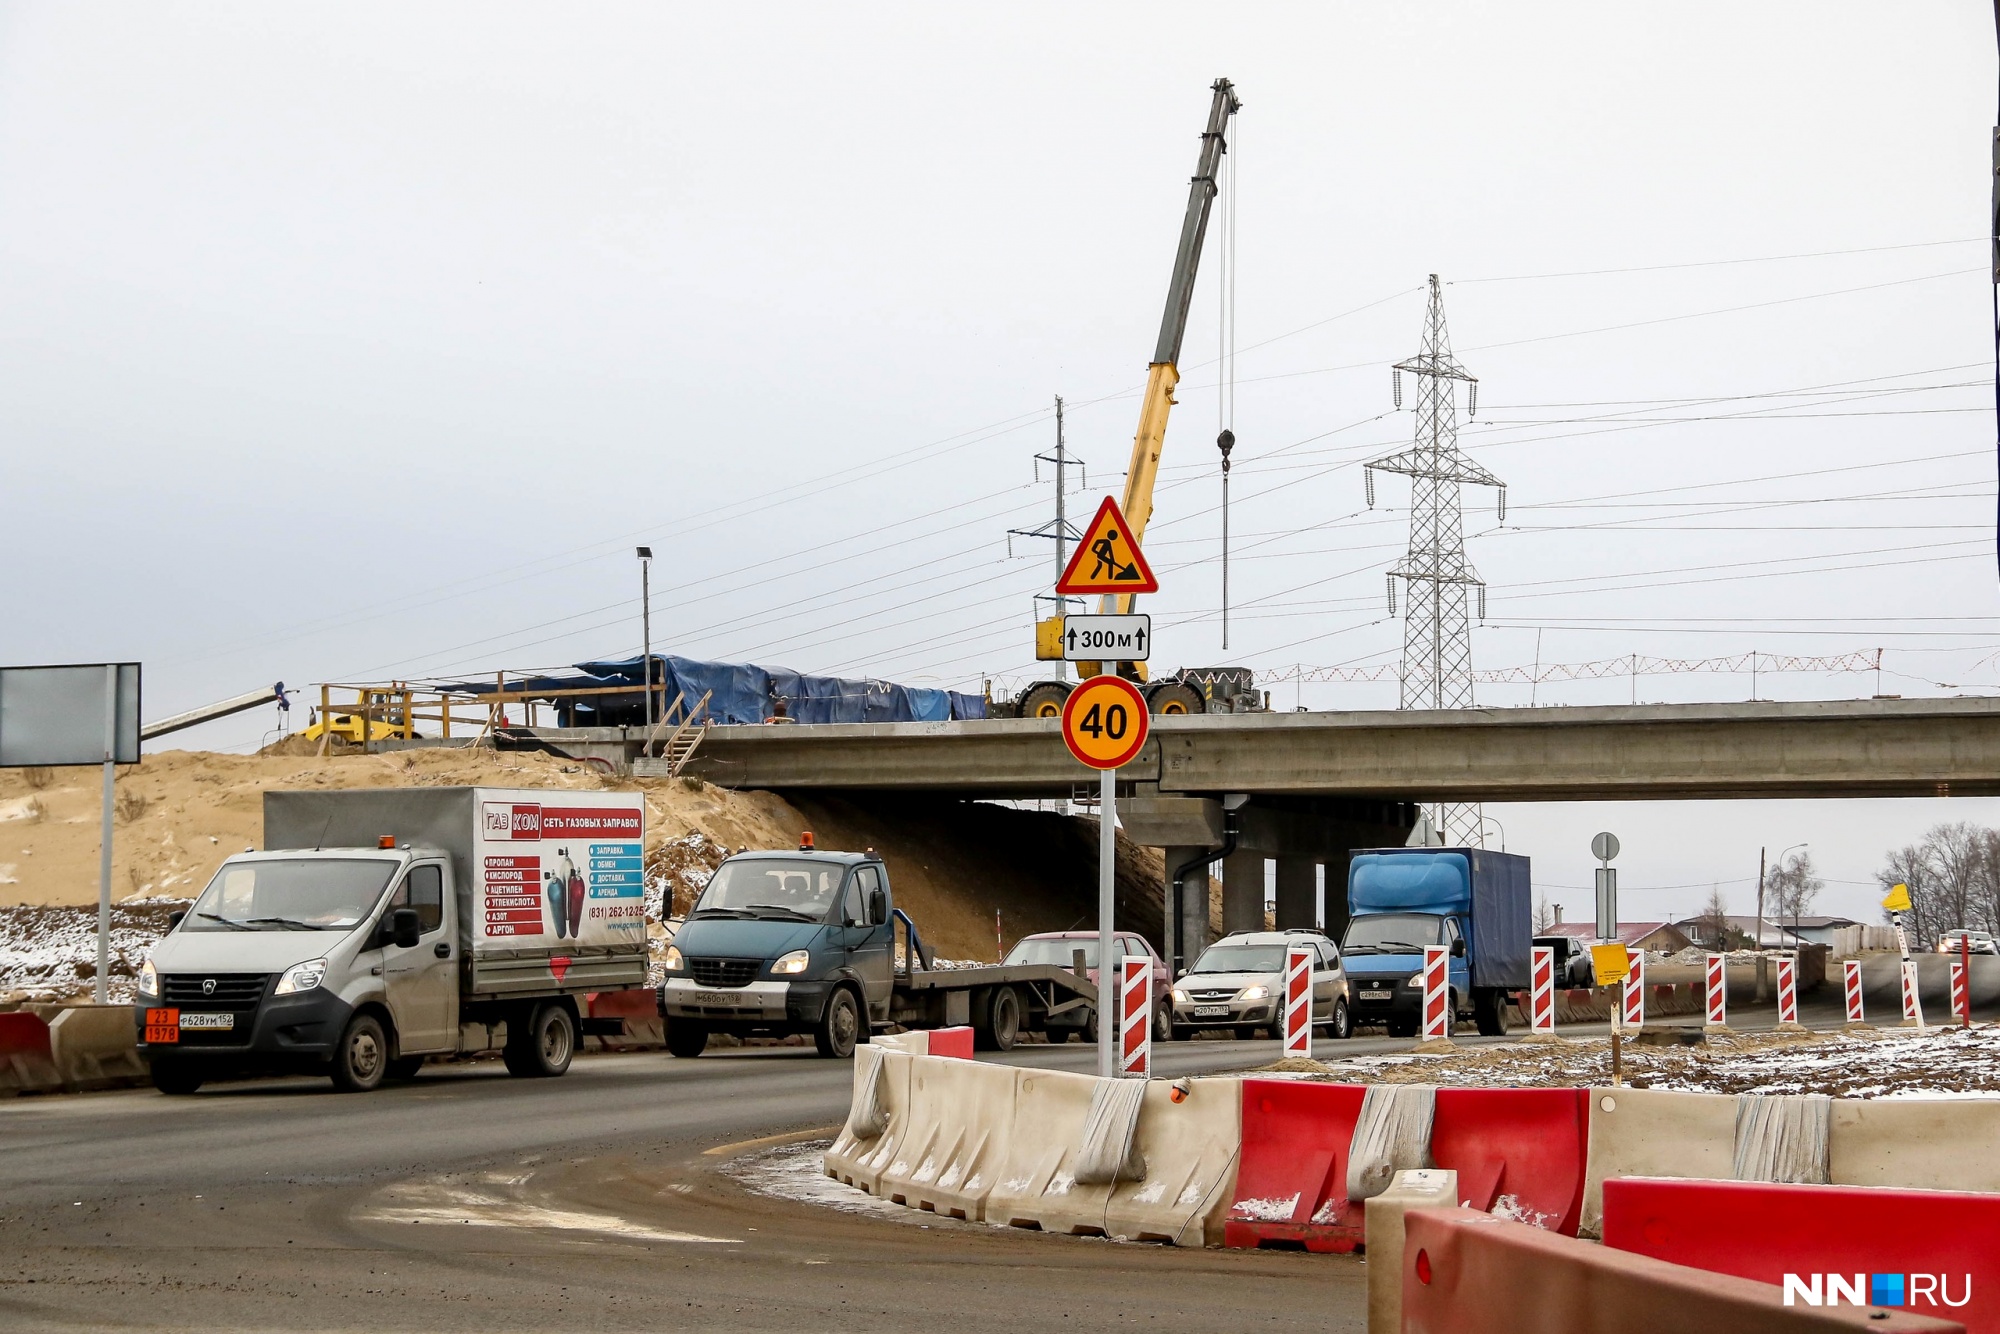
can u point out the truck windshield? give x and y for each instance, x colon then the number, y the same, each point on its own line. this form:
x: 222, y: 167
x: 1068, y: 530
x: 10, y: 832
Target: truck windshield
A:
x: 801, y: 888
x: 1241, y: 959
x: 309, y: 894
x: 1061, y: 951
x: 1393, y: 933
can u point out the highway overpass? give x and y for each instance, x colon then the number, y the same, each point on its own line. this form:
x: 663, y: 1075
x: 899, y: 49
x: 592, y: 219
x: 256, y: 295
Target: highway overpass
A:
x: 1833, y: 748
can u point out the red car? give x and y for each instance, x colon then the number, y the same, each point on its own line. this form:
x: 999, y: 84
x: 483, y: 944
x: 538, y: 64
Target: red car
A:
x: 1060, y: 947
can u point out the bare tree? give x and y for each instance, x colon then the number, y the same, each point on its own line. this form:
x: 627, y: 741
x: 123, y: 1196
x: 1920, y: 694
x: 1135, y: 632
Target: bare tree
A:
x: 1714, y: 920
x: 1545, y: 917
x: 1792, y: 887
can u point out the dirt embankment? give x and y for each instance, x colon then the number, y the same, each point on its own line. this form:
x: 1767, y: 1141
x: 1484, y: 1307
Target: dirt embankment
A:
x: 180, y: 813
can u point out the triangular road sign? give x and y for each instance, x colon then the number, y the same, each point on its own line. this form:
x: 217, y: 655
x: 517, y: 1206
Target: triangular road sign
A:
x: 1107, y: 560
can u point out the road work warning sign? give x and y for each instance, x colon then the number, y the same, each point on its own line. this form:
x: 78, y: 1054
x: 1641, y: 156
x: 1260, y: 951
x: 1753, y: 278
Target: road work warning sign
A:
x: 1107, y: 560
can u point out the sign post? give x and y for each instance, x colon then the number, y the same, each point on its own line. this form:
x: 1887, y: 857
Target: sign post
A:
x: 76, y: 715
x: 1604, y: 847
x: 1298, y: 1000
x: 1613, y: 964
x: 1104, y: 724
x: 1913, y: 1004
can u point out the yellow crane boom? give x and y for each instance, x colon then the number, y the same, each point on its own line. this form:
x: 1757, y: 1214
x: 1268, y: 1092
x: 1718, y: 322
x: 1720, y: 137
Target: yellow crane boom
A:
x: 1164, y: 372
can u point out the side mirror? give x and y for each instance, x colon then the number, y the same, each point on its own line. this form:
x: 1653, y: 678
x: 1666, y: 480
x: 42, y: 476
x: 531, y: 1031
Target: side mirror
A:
x: 1458, y: 949
x: 878, y: 905
x: 405, y: 928
x: 176, y: 917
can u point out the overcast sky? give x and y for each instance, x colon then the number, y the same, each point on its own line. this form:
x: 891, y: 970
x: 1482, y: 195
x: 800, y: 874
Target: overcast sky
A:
x: 356, y: 342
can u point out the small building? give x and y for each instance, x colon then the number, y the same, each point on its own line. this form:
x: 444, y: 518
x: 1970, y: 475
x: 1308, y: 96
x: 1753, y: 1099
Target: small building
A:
x: 1663, y: 937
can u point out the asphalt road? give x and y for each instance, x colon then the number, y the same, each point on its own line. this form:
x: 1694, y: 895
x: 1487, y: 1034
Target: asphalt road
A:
x: 470, y: 1200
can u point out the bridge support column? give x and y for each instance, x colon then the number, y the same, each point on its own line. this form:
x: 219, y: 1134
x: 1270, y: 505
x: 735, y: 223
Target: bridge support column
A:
x: 1298, y: 885
x: 1188, y: 937
x: 1243, y: 891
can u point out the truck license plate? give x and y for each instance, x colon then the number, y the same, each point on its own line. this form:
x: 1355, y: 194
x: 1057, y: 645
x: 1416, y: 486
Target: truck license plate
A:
x: 1374, y: 993
x: 207, y: 1020
x: 1211, y: 1011
x: 718, y: 998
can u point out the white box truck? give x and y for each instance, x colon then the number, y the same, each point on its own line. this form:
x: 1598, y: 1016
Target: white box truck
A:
x: 379, y: 927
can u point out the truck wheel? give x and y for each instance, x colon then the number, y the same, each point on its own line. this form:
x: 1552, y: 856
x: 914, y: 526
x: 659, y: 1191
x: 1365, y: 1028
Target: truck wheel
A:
x: 1175, y: 699
x: 174, y: 1077
x: 1044, y: 700
x: 1402, y: 1026
x: 362, y: 1058
x: 405, y: 1068
x: 1342, y: 1027
x: 998, y: 1022
x: 1246, y: 1032
x: 544, y: 1046
x: 840, y: 1027
x: 1489, y: 1012
x: 686, y: 1038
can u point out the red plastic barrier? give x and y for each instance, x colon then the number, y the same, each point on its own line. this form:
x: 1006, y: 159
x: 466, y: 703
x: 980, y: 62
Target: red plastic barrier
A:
x: 1519, y: 1149
x: 1291, y: 1179
x: 952, y: 1042
x: 24, y: 1034
x: 1765, y: 1232
x: 1470, y: 1273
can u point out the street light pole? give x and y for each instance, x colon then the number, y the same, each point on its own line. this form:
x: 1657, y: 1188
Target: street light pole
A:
x: 646, y: 626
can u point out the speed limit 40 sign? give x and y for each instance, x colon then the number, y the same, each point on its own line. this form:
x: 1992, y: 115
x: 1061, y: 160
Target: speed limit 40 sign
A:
x: 1105, y: 722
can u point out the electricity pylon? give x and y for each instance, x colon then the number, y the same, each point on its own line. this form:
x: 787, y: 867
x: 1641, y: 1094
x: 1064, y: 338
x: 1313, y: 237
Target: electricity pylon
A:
x: 1438, y: 580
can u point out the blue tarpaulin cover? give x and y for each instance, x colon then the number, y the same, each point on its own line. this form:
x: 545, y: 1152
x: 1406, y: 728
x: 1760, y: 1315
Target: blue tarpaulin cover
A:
x: 736, y: 692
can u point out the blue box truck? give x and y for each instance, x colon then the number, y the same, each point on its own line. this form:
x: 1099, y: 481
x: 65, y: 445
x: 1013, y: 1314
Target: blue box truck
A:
x: 1476, y: 903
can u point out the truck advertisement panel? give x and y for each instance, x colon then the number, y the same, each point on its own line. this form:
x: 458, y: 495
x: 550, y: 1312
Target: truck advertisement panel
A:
x: 561, y: 870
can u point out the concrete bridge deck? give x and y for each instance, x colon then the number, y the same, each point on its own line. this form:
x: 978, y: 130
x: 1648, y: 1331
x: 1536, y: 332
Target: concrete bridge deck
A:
x: 1845, y: 748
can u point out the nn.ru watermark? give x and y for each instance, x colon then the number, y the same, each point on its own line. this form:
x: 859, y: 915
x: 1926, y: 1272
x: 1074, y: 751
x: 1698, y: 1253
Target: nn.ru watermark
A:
x: 1876, y: 1289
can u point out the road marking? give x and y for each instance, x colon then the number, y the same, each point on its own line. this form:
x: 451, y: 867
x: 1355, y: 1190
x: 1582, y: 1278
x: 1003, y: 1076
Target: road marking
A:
x: 432, y: 1203
x: 791, y: 1137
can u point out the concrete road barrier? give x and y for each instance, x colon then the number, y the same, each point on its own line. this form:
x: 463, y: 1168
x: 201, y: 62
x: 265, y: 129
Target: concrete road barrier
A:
x: 1942, y: 1247
x: 860, y: 1160
x: 961, y: 1124
x: 1470, y: 1273
x: 1419, y: 1188
x: 27, y: 1063
x: 1037, y: 1179
x: 1191, y: 1148
x: 1654, y: 1133
x: 1915, y: 1145
x: 97, y: 1046
x: 638, y: 1010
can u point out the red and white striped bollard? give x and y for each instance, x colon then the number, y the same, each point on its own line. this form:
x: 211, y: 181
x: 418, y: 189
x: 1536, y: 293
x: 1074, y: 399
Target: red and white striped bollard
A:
x: 1542, y: 997
x: 1718, y: 993
x: 1635, y: 990
x: 1788, y: 990
x: 1135, y: 1016
x: 1298, y: 1000
x: 1961, y: 994
x: 1437, y: 994
x: 1850, y: 973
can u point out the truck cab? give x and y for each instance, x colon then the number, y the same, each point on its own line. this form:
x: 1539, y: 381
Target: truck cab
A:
x: 784, y: 942
x: 343, y: 961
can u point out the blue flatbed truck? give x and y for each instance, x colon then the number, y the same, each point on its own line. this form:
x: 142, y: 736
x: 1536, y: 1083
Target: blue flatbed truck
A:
x: 812, y: 942
x: 1476, y: 903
